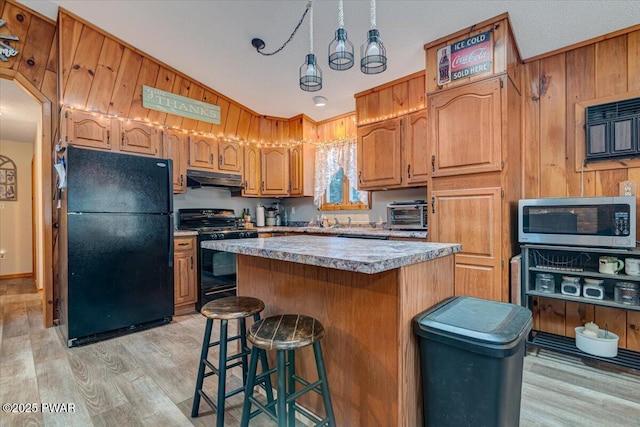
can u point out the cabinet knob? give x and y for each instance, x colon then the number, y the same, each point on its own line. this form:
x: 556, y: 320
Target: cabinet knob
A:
x: 433, y: 164
x: 360, y: 177
x: 108, y: 137
x: 211, y: 158
x: 409, y: 170
x: 433, y: 205
x: 122, y: 139
x: 220, y: 161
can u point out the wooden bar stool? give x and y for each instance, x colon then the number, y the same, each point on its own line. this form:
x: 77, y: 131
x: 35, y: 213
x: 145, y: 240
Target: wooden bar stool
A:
x: 286, y: 333
x: 226, y: 309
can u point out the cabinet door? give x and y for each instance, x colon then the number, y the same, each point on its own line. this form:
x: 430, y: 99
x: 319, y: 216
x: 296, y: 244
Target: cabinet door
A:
x: 466, y: 129
x: 275, y: 172
x: 184, y: 277
x: 379, y: 155
x: 301, y: 169
x: 139, y: 138
x: 251, y: 172
x: 88, y: 130
x: 203, y: 152
x: 471, y: 217
x: 175, y: 148
x: 416, y: 150
x: 230, y: 157
x: 185, y: 270
x: 633, y: 330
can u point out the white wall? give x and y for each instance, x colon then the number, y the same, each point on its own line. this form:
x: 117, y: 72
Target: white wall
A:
x: 16, y: 217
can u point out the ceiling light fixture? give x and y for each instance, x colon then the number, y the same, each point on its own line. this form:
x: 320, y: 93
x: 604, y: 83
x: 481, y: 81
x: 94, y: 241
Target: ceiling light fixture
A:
x: 319, y: 101
x: 340, y: 48
x: 372, y: 51
x: 310, y: 71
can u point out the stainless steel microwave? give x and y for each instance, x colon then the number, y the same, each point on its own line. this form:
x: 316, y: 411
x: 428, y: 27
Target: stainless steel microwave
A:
x: 578, y: 221
x: 411, y: 215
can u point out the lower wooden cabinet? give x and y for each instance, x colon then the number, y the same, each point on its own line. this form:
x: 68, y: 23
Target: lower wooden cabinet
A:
x: 185, y: 274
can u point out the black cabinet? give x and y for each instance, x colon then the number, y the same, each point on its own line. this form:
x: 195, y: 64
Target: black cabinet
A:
x: 613, y: 130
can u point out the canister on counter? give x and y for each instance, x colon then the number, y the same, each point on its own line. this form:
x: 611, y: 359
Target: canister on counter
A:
x: 627, y: 293
x: 545, y: 282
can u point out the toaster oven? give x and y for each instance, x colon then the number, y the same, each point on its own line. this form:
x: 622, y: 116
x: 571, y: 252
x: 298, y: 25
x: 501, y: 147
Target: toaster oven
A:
x: 411, y: 215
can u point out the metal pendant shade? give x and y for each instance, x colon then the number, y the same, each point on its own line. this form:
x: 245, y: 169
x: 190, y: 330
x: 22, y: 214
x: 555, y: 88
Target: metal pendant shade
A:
x: 340, y: 48
x: 310, y: 72
x: 372, y: 51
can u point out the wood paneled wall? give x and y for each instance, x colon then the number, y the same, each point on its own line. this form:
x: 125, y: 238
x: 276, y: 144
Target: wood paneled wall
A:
x: 553, y: 85
x: 35, y: 68
x: 100, y: 73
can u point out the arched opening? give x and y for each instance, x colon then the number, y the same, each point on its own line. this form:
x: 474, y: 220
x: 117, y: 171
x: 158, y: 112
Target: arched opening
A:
x: 42, y: 192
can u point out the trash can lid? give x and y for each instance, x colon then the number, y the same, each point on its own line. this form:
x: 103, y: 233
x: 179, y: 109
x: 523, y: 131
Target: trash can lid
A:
x: 476, y: 320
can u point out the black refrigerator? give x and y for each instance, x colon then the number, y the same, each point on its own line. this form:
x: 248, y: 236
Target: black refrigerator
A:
x: 115, y: 245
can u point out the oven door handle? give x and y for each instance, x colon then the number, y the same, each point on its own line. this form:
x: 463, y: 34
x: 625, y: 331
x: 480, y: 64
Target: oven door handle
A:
x: 220, y: 291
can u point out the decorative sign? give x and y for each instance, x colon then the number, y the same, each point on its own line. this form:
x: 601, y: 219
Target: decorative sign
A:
x: 6, y: 51
x: 8, y: 179
x: 171, y: 103
x: 465, y: 58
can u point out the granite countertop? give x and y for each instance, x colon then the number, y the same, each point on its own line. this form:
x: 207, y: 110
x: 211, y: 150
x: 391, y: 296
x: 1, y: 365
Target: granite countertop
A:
x: 366, y: 231
x: 184, y: 233
x: 359, y: 255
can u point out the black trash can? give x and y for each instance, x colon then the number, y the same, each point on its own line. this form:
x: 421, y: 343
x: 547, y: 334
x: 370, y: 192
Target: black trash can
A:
x: 472, y: 352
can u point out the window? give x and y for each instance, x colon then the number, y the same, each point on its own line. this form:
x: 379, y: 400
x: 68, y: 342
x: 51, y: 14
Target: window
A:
x: 334, y: 196
x: 335, y: 175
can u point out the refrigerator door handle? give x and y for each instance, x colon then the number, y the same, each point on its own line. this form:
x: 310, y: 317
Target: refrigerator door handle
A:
x: 170, y: 241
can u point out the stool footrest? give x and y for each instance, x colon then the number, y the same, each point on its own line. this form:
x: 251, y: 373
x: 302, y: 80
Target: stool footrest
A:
x: 233, y: 338
x: 207, y: 399
x: 310, y: 387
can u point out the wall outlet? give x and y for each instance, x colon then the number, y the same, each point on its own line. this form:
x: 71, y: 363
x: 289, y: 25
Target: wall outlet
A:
x: 628, y: 188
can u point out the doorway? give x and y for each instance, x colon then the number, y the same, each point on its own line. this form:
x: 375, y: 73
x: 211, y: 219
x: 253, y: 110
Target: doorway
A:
x: 25, y: 127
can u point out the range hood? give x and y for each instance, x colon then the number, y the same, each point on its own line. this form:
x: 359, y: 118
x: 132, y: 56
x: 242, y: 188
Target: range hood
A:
x: 198, y: 178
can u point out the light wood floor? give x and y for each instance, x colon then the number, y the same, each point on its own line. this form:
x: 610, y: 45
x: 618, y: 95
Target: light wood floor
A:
x: 147, y: 378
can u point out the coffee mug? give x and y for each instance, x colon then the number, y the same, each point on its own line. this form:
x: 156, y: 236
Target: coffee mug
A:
x: 610, y: 265
x: 632, y: 266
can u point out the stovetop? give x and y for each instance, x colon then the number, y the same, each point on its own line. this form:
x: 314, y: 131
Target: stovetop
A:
x: 213, y: 224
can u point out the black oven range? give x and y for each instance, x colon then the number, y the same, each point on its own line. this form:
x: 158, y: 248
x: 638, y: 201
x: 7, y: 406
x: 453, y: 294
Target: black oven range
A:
x: 217, y: 272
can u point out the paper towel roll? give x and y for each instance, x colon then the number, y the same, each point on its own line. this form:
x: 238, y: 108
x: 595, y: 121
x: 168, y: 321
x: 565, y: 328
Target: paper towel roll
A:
x: 260, y: 216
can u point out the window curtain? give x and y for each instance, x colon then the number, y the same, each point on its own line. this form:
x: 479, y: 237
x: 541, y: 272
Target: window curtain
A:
x: 329, y: 159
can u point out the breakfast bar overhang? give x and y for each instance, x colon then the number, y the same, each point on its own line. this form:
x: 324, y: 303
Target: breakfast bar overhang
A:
x: 365, y: 293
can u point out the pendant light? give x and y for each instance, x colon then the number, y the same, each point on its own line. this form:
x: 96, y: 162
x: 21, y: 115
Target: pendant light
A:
x: 372, y: 51
x: 340, y: 48
x: 310, y: 72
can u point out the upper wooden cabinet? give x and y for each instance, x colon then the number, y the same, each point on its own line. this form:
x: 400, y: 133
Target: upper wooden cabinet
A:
x: 174, y: 147
x: 252, y: 177
x: 392, y: 135
x: 230, y: 157
x: 275, y: 172
x: 502, y: 53
x: 466, y: 128
x: 203, y: 152
x: 301, y: 169
x: 379, y: 157
x: 89, y: 130
x: 105, y: 133
x: 139, y: 138
x: 394, y: 153
x: 415, y: 149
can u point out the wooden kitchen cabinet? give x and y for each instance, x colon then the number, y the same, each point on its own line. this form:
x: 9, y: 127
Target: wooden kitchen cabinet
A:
x: 251, y: 173
x: 230, y: 158
x: 274, y: 172
x: 476, y: 180
x: 379, y: 155
x: 471, y: 217
x: 89, y: 130
x: 466, y: 128
x: 301, y: 170
x: 203, y: 152
x: 139, y: 138
x: 175, y: 147
x: 415, y: 149
x: 185, y: 274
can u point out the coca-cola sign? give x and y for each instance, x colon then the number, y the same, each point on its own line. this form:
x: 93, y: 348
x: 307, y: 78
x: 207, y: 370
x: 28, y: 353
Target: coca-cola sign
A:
x: 465, y: 58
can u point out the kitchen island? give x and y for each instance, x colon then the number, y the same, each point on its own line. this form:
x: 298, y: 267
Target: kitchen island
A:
x: 365, y: 293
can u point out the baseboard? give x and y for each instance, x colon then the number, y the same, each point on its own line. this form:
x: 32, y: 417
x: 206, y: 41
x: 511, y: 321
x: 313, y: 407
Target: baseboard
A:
x: 16, y: 276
